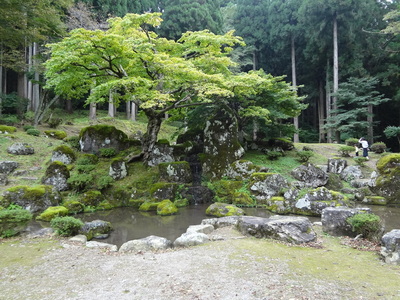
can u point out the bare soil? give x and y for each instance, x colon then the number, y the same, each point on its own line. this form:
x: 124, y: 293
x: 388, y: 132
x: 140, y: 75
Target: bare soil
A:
x: 231, y: 267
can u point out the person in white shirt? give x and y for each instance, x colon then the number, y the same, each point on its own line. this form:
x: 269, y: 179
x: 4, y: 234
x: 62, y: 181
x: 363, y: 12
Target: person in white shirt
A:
x: 365, y: 146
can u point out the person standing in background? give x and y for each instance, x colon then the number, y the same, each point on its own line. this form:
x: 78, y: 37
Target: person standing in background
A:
x: 365, y: 146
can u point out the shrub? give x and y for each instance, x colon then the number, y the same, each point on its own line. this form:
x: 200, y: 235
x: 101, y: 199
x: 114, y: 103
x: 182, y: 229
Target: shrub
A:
x: 54, y: 122
x: 33, y: 131
x: 378, y: 147
x: 9, y: 120
x: 107, y: 152
x: 80, y: 182
x: 368, y: 225
x: 26, y: 127
x: 74, y: 207
x: 304, y: 156
x: 57, y: 134
x: 104, y: 182
x: 52, y: 212
x: 273, y: 155
x: 352, y: 142
x: 7, y: 129
x: 88, y: 159
x: 73, y: 141
x: 92, y: 198
x: 346, y: 150
x: 66, y: 226
x: 85, y: 168
x: 12, y: 220
x: 360, y: 160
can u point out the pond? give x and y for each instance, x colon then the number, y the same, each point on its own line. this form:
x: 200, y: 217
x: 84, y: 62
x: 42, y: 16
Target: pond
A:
x: 129, y: 224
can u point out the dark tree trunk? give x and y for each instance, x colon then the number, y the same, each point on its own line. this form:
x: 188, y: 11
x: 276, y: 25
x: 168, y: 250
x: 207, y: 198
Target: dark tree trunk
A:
x: 150, y: 138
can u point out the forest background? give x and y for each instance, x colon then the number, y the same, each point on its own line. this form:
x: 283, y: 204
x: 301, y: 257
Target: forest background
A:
x: 341, y: 55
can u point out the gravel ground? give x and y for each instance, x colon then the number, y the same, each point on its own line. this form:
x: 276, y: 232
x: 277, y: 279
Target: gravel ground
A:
x: 225, y: 269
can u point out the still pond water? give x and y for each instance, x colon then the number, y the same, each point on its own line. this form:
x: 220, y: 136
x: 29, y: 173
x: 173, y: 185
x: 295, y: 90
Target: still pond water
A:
x: 130, y: 224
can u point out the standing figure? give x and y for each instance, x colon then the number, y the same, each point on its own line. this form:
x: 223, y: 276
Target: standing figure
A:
x: 364, y: 145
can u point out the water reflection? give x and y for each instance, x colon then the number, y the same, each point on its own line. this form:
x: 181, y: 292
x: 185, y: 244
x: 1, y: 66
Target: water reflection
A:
x: 130, y: 224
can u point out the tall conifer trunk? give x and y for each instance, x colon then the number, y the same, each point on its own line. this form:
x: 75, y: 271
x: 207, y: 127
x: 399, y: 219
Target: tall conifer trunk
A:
x: 294, y: 83
x: 335, y: 71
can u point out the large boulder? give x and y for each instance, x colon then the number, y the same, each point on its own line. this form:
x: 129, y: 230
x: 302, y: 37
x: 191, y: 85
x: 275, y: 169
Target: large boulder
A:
x: 223, y: 210
x: 310, y: 176
x: 7, y: 167
x: 57, y: 175
x: 178, y: 172
x: 221, y: 222
x: 118, y: 169
x: 161, y: 153
x: 3, y: 179
x: 243, y: 169
x: 192, y: 238
x: 21, y: 149
x: 295, y: 230
x: 314, y: 201
x: 387, y: 184
x: 351, y: 173
x: 334, y: 220
x: 93, y: 138
x: 63, y: 154
x: 96, y: 229
x: 35, y: 199
x: 150, y: 243
x: 390, y: 250
x: 221, y: 143
x: 198, y: 194
x: 264, y: 186
x: 336, y: 165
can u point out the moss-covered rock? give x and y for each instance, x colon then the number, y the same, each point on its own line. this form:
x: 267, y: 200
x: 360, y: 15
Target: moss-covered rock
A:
x: 242, y: 199
x: 166, y: 208
x: 224, y: 210
x: 52, y: 212
x: 387, y: 184
x: 278, y: 205
x: 57, y: 134
x: 314, y: 201
x: 263, y: 186
x: 225, y: 190
x: 178, y: 172
x: 7, y: 129
x: 91, y: 198
x: 149, y: 206
x: 63, y: 154
x: 96, y: 228
x: 221, y: 143
x: 74, y: 207
x: 93, y: 138
x: 35, y: 198
x: 242, y: 169
x: 374, y: 200
x: 334, y: 182
x: 181, y: 202
x: 164, y: 190
x: 57, y: 174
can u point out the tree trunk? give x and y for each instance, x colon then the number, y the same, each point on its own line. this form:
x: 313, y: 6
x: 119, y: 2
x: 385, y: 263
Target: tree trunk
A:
x: 294, y: 83
x: 133, y: 111
x: 328, y: 104
x: 1, y: 78
x: 68, y: 106
x: 151, y: 135
x: 254, y: 61
x: 128, y: 109
x: 321, y: 115
x: 92, y: 111
x: 335, y: 71
x: 370, y: 120
x: 111, y: 106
